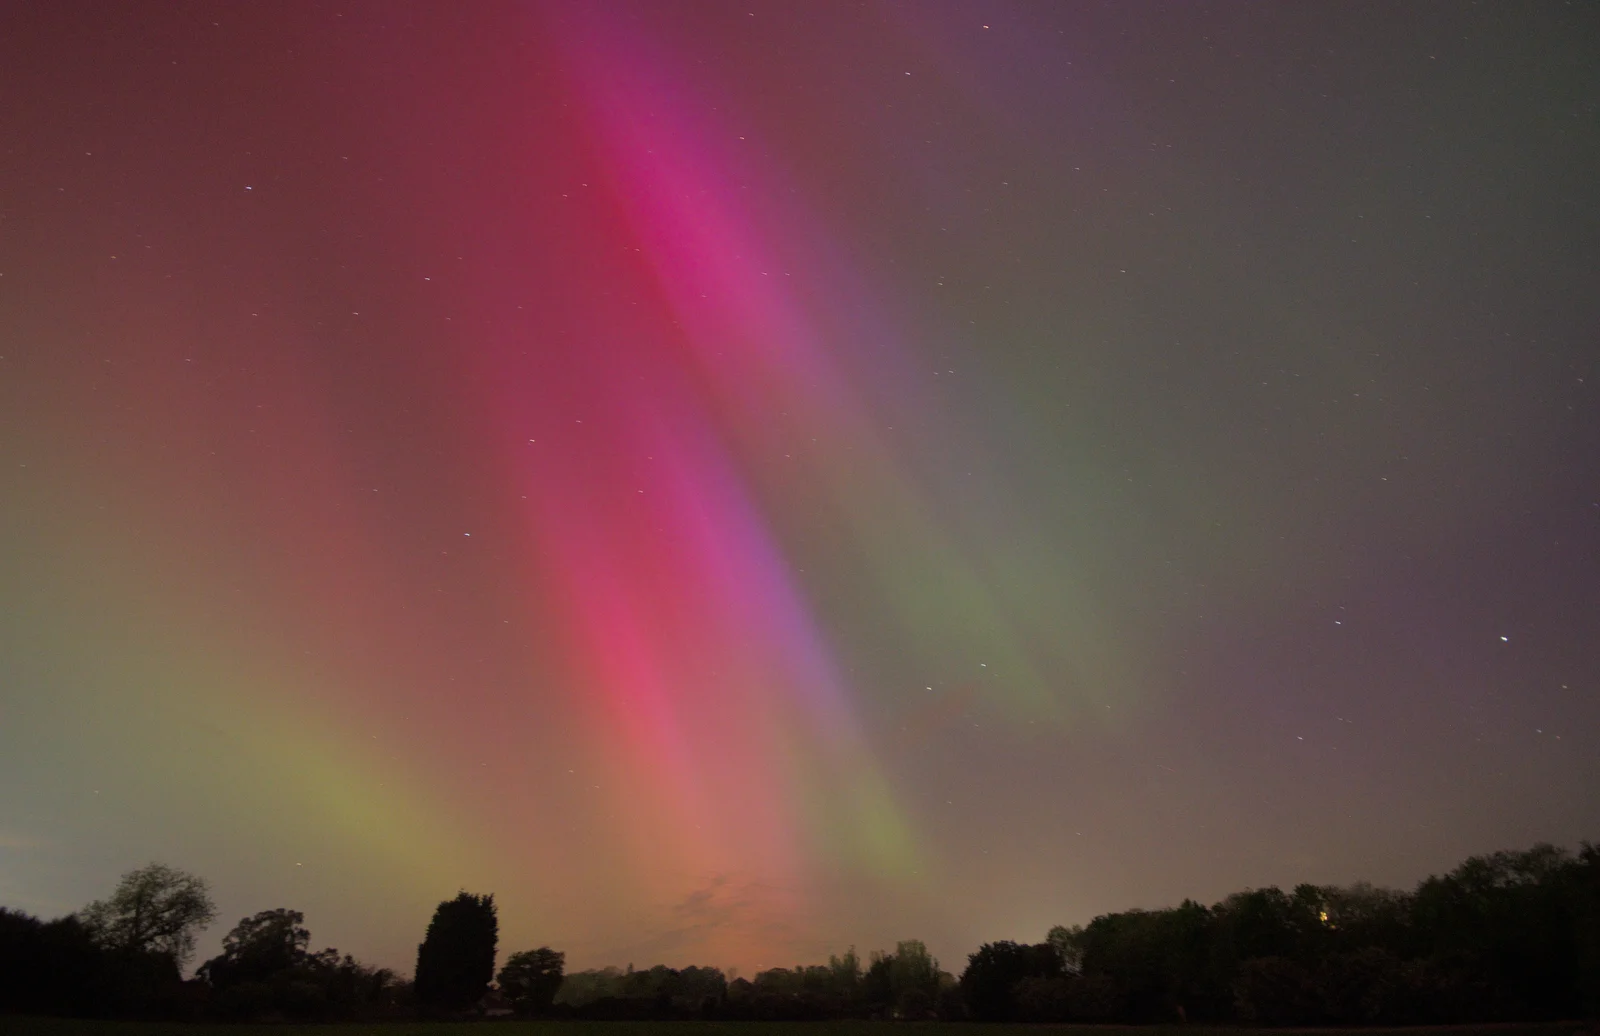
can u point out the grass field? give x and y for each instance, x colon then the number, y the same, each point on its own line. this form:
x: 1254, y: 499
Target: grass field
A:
x: 12, y: 1026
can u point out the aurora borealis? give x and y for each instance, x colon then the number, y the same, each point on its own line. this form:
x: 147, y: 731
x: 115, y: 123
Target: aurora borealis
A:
x: 738, y: 480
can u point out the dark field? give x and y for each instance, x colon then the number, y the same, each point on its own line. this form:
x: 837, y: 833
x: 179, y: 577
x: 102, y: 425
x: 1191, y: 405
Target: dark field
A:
x: 78, y: 1027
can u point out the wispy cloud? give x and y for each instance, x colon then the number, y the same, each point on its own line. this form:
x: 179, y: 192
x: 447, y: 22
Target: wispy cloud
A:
x: 724, y: 921
x: 21, y: 841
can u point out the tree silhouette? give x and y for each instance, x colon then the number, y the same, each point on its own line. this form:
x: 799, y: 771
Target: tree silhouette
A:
x: 531, y: 978
x: 51, y: 967
x: 845, y: 976
x: 155, y: 909
x: 993, y: 973
x: 456, y: 958
x: 258, y: 947
x: 1068, y: 944
x: 905, y: 981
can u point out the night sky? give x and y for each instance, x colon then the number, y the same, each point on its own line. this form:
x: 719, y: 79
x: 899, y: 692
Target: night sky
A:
x: 737, y: 480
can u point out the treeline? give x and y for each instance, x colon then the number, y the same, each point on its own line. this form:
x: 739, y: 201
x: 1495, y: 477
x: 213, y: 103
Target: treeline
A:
x: 1507, y: 937
x: 123, y: 957
x: 907, y: 983
x: 1513, y: 936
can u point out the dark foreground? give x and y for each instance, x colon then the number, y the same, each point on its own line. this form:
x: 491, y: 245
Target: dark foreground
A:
x: 13, y: 1026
